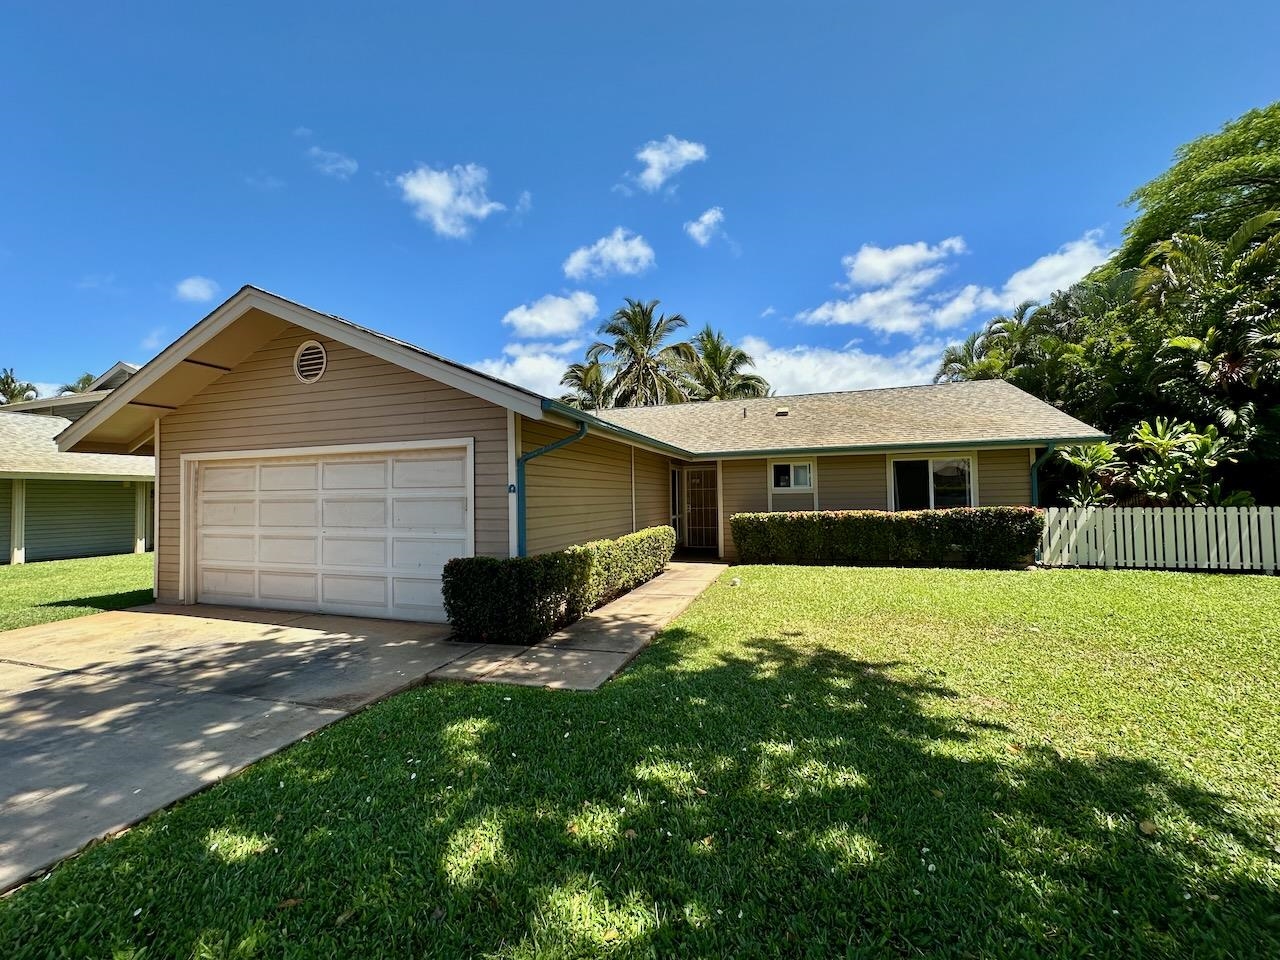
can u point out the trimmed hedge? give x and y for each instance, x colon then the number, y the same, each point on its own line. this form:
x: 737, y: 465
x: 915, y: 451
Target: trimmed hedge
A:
x: 526, y: 599
x: 988, y: 537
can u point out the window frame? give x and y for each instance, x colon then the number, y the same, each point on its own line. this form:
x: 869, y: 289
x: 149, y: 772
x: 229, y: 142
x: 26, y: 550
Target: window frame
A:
x: 791, y: 466
x: 969, y: 455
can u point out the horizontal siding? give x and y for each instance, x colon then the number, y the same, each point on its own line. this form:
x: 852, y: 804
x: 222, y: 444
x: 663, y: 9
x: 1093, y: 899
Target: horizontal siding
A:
x: 791, y: 502
x: 653, y: 490
x: 743, y: 488
x: 360, y: 399
x: 853, y: 483
x: 1004, y: 478
x: 78, y: 518
x: 578, y: 493
x: 6, y: 517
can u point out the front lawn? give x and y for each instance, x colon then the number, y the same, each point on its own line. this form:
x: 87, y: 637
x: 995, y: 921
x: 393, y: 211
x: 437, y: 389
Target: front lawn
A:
x: 814, y: 763
x: 61, y: 589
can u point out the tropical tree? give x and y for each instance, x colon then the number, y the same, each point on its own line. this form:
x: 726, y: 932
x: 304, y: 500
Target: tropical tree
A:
x: 13, y: 390
x: 1225, y: 298
x: 589, y: 385
x: 80, y: 384
x: 1215, y: 183
x: 970, y: 360
x: 645, y: 367
x: 719, y: 370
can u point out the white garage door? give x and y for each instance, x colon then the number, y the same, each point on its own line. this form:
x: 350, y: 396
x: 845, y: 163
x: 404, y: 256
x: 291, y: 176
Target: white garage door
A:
x: 366, y: 535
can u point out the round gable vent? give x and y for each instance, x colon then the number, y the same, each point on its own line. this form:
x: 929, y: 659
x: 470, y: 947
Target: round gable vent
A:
x: 310, y: 361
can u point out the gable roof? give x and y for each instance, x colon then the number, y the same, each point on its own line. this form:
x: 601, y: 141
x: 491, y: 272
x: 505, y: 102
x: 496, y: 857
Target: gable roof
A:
x: 972, y: 413
x: 949, y: 415
x: 123, y: 422
x: 28, y: 449
x: 120, y: 372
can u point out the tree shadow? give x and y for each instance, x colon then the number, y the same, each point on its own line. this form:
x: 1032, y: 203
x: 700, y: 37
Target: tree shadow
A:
x: 780, y: 799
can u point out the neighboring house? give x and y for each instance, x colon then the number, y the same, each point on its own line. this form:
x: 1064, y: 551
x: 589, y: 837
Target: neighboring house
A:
x: 56, y: 505
x: 73, y: 406
x: 308, y: 463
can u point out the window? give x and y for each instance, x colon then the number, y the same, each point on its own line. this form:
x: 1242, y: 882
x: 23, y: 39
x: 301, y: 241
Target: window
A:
x: 933, y: 484
x: 793, y: 476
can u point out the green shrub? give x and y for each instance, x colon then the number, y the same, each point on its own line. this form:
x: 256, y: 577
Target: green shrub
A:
x: 991, y: 537
x: 615, y: 566
x: 526, y: 599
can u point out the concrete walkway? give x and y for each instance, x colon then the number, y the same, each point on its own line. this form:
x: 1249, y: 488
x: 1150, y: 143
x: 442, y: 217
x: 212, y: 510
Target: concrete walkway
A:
x: 587, y: 653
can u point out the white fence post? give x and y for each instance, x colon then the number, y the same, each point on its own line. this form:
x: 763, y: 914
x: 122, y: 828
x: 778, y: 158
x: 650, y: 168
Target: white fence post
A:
x: 1163, y: 538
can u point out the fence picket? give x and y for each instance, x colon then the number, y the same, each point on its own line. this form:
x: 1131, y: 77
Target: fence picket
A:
x: 1163, y: 538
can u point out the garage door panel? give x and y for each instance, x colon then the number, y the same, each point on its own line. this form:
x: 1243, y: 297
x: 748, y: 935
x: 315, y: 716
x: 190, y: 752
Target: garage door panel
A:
x: 349, y: 534
x: 430, y: 514
x: 227, y: 547
x: 288, y: 513
x: 227, y: 583
x: 369, y: 475
x: 422, y: 553
x: 424, y: 472
x: 228, y: 513
x: 422, y: 594
x: 355, y: 552
x: 288, y: 476
x: 346, y: 589
x: 240, y: 478
x: 279, y: 549
x: 368, y: 512
x: 278, y: 585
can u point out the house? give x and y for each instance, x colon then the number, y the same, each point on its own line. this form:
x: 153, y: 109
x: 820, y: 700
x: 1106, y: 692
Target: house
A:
x: 308, y: 463
x: 73, y: 406
x: 56, y: 505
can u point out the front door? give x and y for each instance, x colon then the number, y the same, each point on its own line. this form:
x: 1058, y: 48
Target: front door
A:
x: 702, y: 529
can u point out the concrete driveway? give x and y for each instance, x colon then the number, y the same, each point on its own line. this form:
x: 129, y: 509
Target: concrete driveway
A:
x: 106, y: 718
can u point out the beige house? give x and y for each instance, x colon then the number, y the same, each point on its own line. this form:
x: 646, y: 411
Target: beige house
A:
x: 304, y: 462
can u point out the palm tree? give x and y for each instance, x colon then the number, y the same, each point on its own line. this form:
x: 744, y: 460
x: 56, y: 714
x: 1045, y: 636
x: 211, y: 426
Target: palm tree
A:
x: 1227, y: 297
x: 13, y: 390
x: 646, y: 369
x: 970, y: 360
x: 80, y: 384
x: 590, y: 386
x: 718, y: 370
x: 1016, y: 335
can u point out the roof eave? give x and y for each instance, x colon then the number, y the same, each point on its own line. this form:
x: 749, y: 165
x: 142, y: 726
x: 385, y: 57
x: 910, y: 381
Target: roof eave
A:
x: 964, y: 444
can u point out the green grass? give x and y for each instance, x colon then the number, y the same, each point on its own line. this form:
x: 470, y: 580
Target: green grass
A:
x: 815, y: 763
x: 61, y: 589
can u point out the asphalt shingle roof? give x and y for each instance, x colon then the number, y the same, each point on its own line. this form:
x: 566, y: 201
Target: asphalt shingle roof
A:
x: 968, y: 413
x: 28, y: 446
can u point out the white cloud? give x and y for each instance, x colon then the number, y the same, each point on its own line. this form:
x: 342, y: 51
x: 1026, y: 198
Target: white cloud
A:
x: 534, y: 366
x: 196, y: 289
x: 524, y: 203
x: 46, y: 389
x: 768, y: 311
x: 97, y: 281
x: 706, y: 226
x: 896, y: 289
x: 620, y: 252
x: 154, y: 340
x: 552, y: 316
x: 810, y: 369
x: 302, y: 131
x: 266, y: 182
x: 332, y: 163
x: 874, y: 266
x: 451, y: 200
x: 664, y: 158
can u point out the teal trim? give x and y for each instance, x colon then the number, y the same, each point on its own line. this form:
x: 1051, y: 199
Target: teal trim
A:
x: 521, y: 538
x: 582, y: 416
x: 1035, y: 472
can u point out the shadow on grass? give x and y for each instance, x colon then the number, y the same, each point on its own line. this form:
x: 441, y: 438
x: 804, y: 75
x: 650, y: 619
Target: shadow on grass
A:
x: 106, y: 601
x: 770, y: 800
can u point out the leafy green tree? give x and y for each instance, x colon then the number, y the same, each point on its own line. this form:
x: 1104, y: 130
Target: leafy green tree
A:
x: 13, y: 390
x: 970, y: 359
x: 1216, y: 182
x: 80, y: 384
x: 719, y: 370
x: 646, y: 367
x: 589, y: 385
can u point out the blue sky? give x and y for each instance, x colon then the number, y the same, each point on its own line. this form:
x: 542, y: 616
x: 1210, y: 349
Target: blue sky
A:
x: 842, y: 188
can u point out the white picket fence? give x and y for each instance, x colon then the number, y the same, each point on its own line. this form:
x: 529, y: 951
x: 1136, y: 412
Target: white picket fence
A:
x: 1163, y: 538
